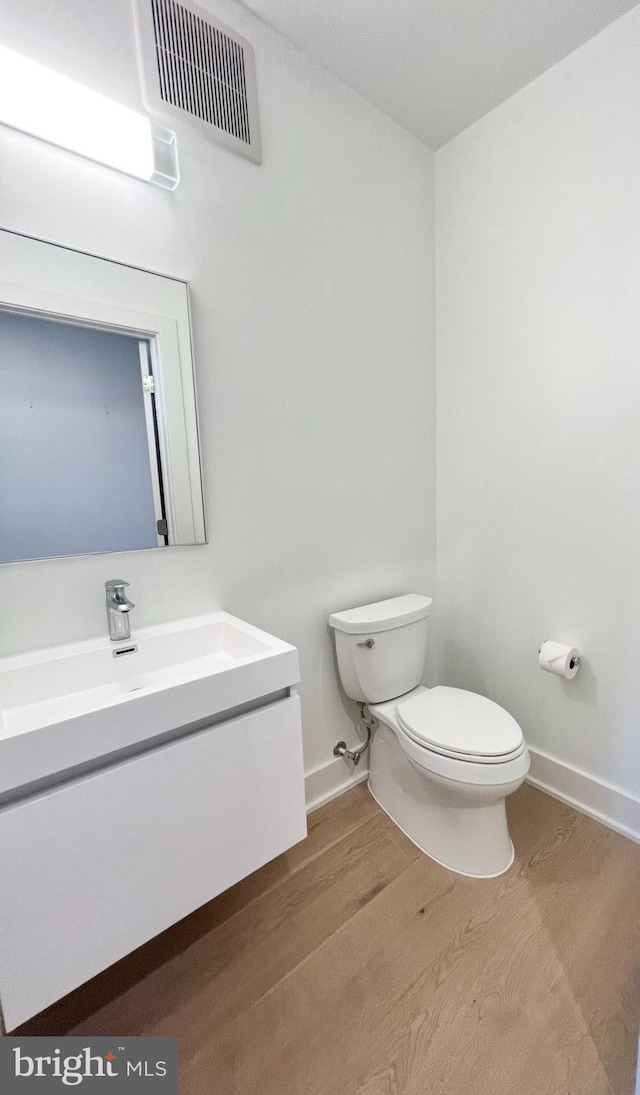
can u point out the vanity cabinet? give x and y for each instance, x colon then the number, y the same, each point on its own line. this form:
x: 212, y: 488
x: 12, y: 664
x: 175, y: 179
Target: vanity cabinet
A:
x: 92, y: 868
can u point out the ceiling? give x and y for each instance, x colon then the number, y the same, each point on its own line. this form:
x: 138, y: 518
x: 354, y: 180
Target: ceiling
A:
x: 435, y: 66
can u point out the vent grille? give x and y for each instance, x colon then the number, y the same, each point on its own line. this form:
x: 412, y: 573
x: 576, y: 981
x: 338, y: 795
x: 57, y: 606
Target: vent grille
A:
x: 197, y: 68
x: 200, y: 69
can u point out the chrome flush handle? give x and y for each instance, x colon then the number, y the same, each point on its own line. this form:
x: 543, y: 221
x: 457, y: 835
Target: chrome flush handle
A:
x: 367, y: 642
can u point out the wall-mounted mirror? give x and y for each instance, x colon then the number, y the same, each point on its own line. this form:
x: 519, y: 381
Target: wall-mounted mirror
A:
x: 98, y: 427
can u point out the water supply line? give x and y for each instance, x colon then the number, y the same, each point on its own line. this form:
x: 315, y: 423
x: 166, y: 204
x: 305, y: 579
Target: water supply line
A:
x: 340, y: 748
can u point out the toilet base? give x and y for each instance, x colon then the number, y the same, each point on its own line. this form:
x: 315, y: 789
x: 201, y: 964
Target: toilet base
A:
x: 460, y: 826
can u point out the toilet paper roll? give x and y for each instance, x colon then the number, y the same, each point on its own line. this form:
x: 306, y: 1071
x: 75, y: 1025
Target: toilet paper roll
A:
x: 560, y: 659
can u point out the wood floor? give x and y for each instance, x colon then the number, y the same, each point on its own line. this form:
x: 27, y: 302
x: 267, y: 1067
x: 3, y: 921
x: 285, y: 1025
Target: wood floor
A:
x: 355, y: 964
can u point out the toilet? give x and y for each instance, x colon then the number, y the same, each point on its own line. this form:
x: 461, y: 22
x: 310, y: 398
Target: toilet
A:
x: 443, y: 760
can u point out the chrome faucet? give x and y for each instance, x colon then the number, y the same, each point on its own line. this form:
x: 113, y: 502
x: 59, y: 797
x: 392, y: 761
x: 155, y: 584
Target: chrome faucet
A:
x: 118, y: 609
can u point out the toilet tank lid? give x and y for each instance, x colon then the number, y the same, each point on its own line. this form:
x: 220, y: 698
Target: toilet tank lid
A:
x: 383, y: 615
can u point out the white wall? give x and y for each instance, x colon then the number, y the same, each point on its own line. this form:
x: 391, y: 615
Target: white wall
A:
x: 313, y: 310
x: 538, y: 291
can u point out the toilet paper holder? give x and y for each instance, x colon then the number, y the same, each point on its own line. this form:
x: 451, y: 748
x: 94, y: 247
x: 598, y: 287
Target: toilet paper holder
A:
x: 559, y: 658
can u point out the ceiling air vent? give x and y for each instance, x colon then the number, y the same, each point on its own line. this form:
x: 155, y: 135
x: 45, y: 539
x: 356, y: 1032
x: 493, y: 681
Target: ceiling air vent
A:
x: 198, y: 69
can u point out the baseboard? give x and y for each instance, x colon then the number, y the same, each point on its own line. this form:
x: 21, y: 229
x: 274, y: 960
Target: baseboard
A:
x: 329, y: 780
x: 613, y: 807
x: 604, y: 802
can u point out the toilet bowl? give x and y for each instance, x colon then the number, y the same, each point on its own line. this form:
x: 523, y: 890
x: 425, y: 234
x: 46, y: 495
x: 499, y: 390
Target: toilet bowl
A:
x: 443, y: 760
x: 451, y: 804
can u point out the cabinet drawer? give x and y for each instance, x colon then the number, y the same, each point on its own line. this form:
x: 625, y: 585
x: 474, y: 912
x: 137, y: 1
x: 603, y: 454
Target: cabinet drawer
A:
x: 92, y: 869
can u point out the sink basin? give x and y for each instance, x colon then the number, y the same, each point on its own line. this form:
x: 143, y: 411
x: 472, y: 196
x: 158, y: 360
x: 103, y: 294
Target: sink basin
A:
x: 73, y: 705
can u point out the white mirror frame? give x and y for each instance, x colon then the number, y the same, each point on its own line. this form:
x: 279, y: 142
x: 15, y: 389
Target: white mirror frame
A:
x: 55, y: 282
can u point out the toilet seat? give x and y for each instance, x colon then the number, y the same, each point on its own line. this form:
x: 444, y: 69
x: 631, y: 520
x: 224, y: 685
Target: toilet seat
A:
x: 458, y: 767
x: 461, y: 725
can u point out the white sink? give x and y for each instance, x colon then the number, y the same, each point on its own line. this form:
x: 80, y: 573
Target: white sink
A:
x: 72, y: 705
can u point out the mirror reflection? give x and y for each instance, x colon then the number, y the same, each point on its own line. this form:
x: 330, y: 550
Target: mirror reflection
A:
x: 78, y: 447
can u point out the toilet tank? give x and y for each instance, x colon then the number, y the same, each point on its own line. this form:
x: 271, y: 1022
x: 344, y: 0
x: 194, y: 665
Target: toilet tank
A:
x: 382, y: 647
